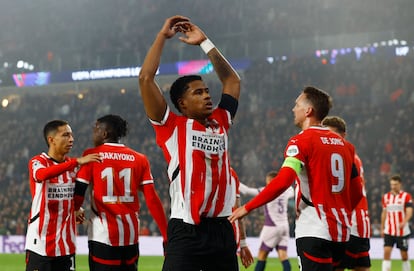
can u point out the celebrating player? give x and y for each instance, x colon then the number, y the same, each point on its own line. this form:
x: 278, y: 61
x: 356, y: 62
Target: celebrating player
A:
x: 195, y: 146
x: 51, y: 233
x: 328, y: 184
x: 115, y: 182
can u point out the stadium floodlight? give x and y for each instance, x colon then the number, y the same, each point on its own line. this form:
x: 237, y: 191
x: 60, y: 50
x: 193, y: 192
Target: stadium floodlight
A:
x: 20, y: 64
x: 4, y: 102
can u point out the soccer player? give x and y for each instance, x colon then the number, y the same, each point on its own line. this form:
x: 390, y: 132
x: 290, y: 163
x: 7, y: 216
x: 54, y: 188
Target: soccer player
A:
x: 328, y: 184
x: 114, y: 185
x: 397, y: 210
x: 51, y: 233
x: 357, y: 251
x: 275, y: 231
x: 195, y: 146
x: 246, y: 256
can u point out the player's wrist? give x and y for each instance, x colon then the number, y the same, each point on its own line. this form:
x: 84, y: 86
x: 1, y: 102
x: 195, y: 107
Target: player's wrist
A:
x: 243, y: 243
x: 207, y: 45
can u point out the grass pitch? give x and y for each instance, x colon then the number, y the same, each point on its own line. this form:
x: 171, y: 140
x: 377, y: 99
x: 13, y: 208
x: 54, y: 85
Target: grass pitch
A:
x: 16, y: 262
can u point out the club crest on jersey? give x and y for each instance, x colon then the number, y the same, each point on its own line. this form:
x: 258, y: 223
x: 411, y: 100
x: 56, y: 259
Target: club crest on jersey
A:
x: 292, y: 150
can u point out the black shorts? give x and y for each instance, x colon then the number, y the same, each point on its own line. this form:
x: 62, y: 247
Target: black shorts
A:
x: 319, y: 254
x: 36, y: 262
x: 210, y: 246
x: 103, y: 257
x: 401, y: 241
x: 357, y: 253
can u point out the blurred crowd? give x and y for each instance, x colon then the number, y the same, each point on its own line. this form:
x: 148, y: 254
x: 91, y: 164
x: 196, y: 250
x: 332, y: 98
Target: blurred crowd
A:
x: 374, y: 94
x: 82, y: 34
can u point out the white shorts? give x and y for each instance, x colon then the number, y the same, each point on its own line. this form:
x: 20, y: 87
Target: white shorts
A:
x: 275, y: 237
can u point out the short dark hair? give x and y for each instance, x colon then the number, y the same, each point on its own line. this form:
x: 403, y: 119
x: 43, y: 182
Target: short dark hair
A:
x: 320, y: 100
x: 179, y: 87
x: 338, y: 123
x: 396, y: 178
x: 52, y: 127
x: 116, y: 127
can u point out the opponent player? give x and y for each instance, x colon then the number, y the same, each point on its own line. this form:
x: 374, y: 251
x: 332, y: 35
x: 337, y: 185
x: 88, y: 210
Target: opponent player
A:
x: 275, y: 231
x: 51, y: 233
x: 328, y: 185
x: 114, y: 185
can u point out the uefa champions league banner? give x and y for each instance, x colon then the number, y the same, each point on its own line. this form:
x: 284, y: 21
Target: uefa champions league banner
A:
x: 152, y: 246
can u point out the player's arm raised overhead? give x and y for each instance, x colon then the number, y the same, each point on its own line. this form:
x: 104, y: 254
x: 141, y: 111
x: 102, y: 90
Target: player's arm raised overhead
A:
x: 154, y: 102
x: 225, y: 72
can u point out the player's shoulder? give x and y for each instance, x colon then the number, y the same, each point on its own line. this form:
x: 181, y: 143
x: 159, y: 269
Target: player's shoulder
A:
x: 90, y: 150
x: 42, y: 157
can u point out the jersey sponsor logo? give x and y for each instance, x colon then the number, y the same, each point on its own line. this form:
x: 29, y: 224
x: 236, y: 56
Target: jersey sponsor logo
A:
x: 394, y: 207
x: 210, y: 144
x: 60, y: 192
x: 332, y: 141
x: 117, y: 156
x: 292, y: 150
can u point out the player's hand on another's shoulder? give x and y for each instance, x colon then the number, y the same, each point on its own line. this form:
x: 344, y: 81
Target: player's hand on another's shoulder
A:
x: 169, y: 29
x: 93, y: 157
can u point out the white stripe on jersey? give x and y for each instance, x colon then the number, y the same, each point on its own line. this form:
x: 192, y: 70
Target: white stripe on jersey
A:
x: 131, y: 228
x: 118, y: 220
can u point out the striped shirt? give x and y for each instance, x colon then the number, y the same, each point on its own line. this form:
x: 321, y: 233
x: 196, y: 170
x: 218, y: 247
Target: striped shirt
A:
x: 198, y: 165
x: 395, y: 205
x: 361, y: 225
x: 323, y: 192
x: 52, y: 226
x: 115, y: 183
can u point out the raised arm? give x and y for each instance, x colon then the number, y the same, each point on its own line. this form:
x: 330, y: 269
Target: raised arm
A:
x: 154, y: 102
x: 225, y: 72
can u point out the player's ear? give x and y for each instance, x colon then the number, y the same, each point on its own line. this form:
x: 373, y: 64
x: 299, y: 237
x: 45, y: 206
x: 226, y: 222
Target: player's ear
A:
x: 309, y: 111
x: 181, y: 103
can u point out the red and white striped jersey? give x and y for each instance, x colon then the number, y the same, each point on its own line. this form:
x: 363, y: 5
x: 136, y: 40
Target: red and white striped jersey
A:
x: 361, y: 225
x: 198, y: 165
x: 323, y: 200
x: 114, y: 185
x: 395, y: 205
x: 52, y: 225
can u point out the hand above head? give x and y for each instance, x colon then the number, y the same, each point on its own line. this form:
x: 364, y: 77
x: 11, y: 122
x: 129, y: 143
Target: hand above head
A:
x: 238, y: 213
x: 168, y: 30
x: 193, y: 34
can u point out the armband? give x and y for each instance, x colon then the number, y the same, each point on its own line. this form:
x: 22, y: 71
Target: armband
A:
x: 243, y: 243
x: 207, y: 45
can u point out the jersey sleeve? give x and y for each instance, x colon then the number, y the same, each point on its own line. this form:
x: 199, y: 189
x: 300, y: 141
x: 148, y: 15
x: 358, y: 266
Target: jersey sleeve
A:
x: 41, y: 172
x: 277, y: 186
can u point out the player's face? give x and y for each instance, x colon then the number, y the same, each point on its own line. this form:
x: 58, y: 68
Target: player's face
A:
x: 196, y: 102
x: 395, y: 186
x: 62, y: 141
x: 301, y: 109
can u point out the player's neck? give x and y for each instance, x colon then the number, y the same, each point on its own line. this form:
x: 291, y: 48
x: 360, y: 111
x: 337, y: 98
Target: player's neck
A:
x: 309, y: 122
x: 59, y: 157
